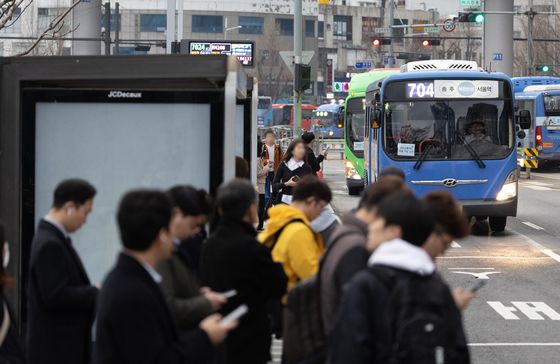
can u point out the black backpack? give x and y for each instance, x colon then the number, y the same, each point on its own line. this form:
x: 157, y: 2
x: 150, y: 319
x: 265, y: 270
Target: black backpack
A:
x: 305, y: 341
x: 424, y: 325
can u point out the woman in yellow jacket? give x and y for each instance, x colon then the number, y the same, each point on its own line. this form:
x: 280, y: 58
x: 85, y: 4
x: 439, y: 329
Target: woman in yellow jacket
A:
x: 288, y: 233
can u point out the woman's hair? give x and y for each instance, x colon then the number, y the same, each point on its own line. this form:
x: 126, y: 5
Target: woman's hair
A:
x: 448, y: 215
x: 290, y: 151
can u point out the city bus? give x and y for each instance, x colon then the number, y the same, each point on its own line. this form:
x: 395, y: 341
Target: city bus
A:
x: 452, y: 127
x: 283, y: 114
x: 541, y: 96
x: 354, y: 107
x: 329, y: 121
x: 264, y: 111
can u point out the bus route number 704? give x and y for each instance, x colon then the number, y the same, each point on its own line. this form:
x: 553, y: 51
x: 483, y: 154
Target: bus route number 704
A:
x: 420, y: 90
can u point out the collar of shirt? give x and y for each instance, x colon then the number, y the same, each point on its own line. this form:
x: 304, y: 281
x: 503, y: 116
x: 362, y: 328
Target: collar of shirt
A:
x: 152, y: 272
x: 271, y: 152
x: 293, y: 164
x: 61, y: 228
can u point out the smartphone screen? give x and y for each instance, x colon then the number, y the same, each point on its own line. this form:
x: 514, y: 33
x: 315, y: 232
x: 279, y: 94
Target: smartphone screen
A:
x: 235, y: 314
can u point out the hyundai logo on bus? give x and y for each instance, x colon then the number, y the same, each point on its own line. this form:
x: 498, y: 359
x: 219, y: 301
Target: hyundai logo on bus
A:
x: 124, y: 95
x: 449, y: 182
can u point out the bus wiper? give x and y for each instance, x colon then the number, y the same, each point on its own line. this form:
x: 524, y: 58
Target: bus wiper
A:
x: 422, y: 157
x: 471, y: 150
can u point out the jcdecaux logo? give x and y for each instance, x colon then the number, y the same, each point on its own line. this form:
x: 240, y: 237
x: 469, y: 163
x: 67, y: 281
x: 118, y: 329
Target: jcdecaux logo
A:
x: 466, y: 88
x: 124, y: 95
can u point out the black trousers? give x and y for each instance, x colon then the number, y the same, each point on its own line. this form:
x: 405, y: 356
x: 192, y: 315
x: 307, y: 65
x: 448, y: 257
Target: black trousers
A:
x: 262, y: 205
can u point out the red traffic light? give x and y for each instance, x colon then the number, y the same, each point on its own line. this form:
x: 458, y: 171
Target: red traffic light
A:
x: 376, y: 42
x: 430, y: 42
x: 425, y: 43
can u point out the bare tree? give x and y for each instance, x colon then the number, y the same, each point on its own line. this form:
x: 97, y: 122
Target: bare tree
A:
x: 274, y: 76
x: 468, y: 48
x: 12, y: 10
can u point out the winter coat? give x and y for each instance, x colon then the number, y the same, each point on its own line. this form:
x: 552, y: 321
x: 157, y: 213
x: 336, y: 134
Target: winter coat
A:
x: 262, y: 172
x: 284, y: 174
x: 313, y: 161
x: 278, y: 155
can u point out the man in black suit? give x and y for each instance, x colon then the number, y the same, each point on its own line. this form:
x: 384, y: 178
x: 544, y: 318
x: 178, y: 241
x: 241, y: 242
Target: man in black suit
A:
x: 234, y: 259
x: 134, y: 324
x: 61, y: 299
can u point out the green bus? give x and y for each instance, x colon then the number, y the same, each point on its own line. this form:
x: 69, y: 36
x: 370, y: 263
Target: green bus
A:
x: 354, y: 127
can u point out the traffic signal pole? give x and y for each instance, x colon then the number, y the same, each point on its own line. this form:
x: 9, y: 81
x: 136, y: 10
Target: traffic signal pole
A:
x: 530, y: 49
x: 391, y: 31
x: 298, y: 39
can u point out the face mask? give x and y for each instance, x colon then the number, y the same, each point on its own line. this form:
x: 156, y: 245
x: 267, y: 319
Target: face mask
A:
x: 5, y: 255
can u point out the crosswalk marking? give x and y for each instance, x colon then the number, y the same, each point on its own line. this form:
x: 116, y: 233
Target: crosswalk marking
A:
x: 276, y: 351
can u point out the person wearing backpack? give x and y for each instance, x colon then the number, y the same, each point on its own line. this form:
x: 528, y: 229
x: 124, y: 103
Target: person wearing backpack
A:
x: 400, y: 310
x: 346, y: 252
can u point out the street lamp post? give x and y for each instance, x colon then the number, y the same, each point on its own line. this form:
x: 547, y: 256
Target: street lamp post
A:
x: 226, y: 29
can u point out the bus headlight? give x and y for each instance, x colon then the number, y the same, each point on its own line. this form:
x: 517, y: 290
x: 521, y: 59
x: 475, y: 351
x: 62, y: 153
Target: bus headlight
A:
x: 351, y: 172
x: 331, y: 133
x: 509, y: 189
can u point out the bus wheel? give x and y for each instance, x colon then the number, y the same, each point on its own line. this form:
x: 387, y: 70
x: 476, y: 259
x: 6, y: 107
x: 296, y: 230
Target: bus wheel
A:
x: 497, y: 223
x: 355, y: 191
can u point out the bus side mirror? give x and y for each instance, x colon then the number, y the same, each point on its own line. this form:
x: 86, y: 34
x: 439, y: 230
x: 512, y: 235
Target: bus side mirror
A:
x: 521, y: 134
x: 524, y: 119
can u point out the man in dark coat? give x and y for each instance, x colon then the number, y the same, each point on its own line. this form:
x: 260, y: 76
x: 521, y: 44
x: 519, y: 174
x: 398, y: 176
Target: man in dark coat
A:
x: 312, y: 160
x: 134, y: 324
x: 61, y: 299
x: 233, y: 259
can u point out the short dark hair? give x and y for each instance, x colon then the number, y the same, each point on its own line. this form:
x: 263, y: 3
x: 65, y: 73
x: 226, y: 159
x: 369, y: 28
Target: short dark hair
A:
x: 412, y: 215
x: 448, y: 214
x: 269, y: 131
x: 241, y: 168
x: 379, y: 190
x: 308, y: 137
x: 191, y: 201
x: 141, y: 216
x: 73, y: 190
x: 234, y: 198
x: 312, y: 186
x: 392, y: 171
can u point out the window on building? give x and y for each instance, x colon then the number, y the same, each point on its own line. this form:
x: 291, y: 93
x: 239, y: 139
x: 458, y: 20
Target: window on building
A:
x: 43, y: 11
x: 113, y: 22
x: 321, y: 29
x: 207, y: 24
x: 153, y: 22
x: 251, y: 24
x: 368, y: 26
x: 285, y: 26
x: 398, y: 33
x: 310, y: 28
x: 342, y: 27
x: 14, y: 25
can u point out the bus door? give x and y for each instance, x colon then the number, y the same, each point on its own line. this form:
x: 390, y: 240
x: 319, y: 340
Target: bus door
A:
x: 529, y: 140
x: 547, y: 131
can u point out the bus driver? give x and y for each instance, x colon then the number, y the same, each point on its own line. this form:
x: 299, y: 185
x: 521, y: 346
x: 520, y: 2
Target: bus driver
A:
x: 476, y: 132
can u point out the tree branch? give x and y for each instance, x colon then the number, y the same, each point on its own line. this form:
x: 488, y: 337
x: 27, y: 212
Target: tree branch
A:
x: 52, y: 26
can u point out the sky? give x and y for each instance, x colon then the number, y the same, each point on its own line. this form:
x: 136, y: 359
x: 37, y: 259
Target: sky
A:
x: 445, y: 7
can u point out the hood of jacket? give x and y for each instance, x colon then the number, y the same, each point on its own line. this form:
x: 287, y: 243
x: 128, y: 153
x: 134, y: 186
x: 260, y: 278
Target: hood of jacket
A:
x: 279, y: 216
x: 401, y: 254
x: 324, y: 220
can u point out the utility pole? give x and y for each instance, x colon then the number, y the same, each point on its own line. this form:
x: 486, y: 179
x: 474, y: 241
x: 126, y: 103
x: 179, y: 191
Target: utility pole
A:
x: 107, y: 26
x: 530, y: 49
x: 391, y: 31
x: 117, y: 26
x: 298, y: 38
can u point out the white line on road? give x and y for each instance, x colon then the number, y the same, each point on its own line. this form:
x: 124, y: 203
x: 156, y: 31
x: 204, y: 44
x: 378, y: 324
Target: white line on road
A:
x: 538, y: 188
x: 470, y: 268
x: 541, y: 248
x: 514, y: 344
x: 455, y: 244
x: 534, y: 226
x: 493, y: 257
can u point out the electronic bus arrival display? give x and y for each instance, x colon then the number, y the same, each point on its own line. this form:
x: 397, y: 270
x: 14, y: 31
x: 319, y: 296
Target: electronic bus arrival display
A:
x: 244, y: 51
x: 453, y: 89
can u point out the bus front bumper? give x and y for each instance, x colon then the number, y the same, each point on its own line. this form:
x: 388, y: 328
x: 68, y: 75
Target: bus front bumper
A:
x: 490, y: 207
x: 546, y: 157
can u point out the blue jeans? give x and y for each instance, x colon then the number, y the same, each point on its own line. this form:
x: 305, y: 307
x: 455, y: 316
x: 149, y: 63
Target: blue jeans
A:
x: 268, y: 186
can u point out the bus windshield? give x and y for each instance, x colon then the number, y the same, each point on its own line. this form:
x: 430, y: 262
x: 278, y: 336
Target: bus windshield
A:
x: 445, y: 129
x: 355, y: 127
x: 552, y: 105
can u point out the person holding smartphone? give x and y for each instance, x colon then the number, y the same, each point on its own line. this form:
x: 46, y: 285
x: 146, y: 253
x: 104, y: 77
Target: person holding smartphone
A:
x: 315, y: 162
x: 293, y: 167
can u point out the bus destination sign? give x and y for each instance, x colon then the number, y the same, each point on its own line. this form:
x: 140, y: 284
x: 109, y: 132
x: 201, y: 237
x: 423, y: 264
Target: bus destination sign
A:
x: 453, y: 89
x: 244, y: 51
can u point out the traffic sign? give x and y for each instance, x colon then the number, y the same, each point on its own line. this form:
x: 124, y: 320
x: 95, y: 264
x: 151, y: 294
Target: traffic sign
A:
x: 470, y: 3
x: 431, y: 29
x: 363, y: 64
x: 449, y: 25
x: 382, y: 30
x: 497, y: 57
x: 288, y: 58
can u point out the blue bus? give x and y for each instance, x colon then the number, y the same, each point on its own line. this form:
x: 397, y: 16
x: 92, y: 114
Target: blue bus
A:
x: 450, y: 126
x: 541, y: 96
x: 264, y: 111
x: 329, y: 121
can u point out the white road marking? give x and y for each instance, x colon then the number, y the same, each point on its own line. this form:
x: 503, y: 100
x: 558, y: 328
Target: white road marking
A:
x: 481, y: 275
x: 470, y: 268
x: 493, y: 257
x: 514, y: 344
x: 533, y: 310
x: 537, y: 188
x: 534, y: 226
x: 541, y: 248
x: 535, y: 183
x: 455, y: 244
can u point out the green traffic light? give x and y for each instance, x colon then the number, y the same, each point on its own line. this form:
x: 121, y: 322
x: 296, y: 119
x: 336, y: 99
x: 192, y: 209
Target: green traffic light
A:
x: 545, y: 68
x: 479, y: 18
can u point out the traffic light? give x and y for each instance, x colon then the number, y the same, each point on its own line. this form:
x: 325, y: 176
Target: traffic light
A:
x: 544, y: 68
x: 430, y: 42
x: 470, y: 17
x: 302, y: 78
x: 377, y: 41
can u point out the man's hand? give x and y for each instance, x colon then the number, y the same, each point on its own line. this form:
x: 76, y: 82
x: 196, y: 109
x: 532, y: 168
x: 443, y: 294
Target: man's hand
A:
x: 325, y: 152
x: 216, y: 300
x: 216, y: 331
x: 462, y: 297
